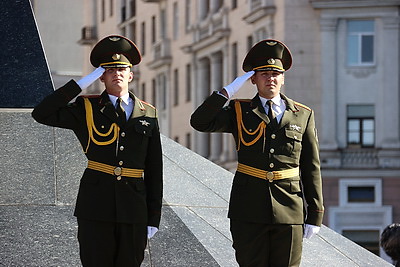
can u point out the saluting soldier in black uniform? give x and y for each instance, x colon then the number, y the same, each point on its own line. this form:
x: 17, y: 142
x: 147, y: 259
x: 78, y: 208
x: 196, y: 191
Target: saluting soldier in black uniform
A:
x: 120, y: 194
x: 278, y: 161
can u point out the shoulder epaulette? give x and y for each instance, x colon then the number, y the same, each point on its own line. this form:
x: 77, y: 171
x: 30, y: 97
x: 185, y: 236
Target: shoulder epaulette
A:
x: 147, y: 104
x: 302, y: 105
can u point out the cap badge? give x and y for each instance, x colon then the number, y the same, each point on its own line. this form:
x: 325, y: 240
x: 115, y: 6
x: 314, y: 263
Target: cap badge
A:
x: 114, y: 39
x: 271, y: 43
x: 271, y: 61
x: 116, y: 56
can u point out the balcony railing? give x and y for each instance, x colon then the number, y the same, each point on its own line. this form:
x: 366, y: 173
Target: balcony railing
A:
x: 215, y: 25
x: 360, y: 158
x: 161, y: 53
x: 88, y: 35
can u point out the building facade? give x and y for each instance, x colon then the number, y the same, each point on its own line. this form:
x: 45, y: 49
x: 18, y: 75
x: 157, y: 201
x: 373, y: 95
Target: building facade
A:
x: 346, y: 67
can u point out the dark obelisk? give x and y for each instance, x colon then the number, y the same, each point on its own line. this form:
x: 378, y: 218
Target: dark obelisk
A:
x: 25, y: 77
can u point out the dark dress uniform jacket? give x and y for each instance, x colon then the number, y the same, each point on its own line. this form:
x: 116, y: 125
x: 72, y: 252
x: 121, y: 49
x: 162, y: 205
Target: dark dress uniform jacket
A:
x: 103, y: 196
x: 293, y: 143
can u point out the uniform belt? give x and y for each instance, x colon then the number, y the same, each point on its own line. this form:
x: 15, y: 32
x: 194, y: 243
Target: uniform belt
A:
x: 266, y: 175
x: 118, y: 171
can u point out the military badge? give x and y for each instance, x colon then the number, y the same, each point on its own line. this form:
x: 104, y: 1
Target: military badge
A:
x: 116, y: 56
x: 144, y: 122
x: 295, y: 127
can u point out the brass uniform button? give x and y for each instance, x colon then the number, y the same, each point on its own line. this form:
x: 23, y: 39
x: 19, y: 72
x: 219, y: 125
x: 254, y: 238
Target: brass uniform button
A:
x: 271, y: 165
x: 119, y: 178
x: 118, y: 171
x: 272, y: 150
x: 270, y: 176
x: 121, y: 148
x: 120, y: 163
x: 123, y: 134
x: 273, y: 136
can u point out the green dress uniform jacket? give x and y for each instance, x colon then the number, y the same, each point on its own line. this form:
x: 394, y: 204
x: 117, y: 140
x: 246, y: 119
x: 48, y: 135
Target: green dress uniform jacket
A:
x: 263, y: 148
x: 102, y: 195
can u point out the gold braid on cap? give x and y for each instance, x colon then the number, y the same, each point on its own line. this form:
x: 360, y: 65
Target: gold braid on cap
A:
x: 269, y: 66
x: 260, y: 129
x: 115, y: 62
x: 91, y: 127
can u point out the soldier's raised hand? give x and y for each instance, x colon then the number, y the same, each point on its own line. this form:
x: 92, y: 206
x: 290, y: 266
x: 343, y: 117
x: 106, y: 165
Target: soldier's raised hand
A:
x: 90, y: 78
x: 233, y: 87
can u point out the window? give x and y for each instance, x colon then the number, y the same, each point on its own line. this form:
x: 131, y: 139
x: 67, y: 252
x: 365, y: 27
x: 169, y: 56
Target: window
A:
x: 360, y: 125
x: 360, y: 42
x: 103, y: 10
x: 163, y: 24
x: 132, y: 28
x: 234, y: 4
x: 133, y: 8
x: 176, y: 20
x: 154, y: 92
x: 123, y: 13
x: 234, y: 60
x: 163, y: 87
x: 176, y: 87
x: 368, y: 239
x: 361, y: 194
x: 153, y: 29
x: 188, y: 8
x: 249, y: 42
x: 143, y: 91
x: 188, y: 82
x: 143, y: 37
x: 217, y: 4
x: 188, y: 141
x: 204, y: 9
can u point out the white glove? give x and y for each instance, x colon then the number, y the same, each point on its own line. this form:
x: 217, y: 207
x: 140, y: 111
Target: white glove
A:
x: 151, y: 230
x: 310, y: 230
x: 233, y: 87
x: 90, y: 78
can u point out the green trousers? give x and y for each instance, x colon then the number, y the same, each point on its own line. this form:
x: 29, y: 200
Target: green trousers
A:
x: 267, y: 245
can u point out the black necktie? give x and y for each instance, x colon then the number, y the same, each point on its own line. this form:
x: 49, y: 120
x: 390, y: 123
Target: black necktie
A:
x: 120, y: 111
x: 271, y: 114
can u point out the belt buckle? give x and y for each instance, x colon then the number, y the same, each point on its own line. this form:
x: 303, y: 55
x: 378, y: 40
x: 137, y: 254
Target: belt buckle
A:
x: 270, y: 176
x: 118, y: 171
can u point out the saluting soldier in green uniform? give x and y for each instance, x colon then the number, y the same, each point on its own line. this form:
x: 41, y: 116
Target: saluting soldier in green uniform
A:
x: 120, y: 194
x: 278, y: 161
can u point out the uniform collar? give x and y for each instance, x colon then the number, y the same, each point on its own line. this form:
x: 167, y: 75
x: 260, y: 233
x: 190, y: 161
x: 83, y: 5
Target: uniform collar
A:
x: 276, y: 100
x: 125, y: 98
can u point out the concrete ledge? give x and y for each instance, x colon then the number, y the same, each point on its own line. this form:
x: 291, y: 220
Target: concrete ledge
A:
x: 41, y: 168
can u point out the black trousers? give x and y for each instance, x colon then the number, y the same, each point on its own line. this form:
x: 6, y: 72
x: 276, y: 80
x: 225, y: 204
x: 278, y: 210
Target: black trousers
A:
x: 267, y: 245
x: 109, y: 244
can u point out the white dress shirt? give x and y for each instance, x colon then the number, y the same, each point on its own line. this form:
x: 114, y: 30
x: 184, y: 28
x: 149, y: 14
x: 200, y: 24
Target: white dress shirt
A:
x: 278, y: 106
x: 127, y: 103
